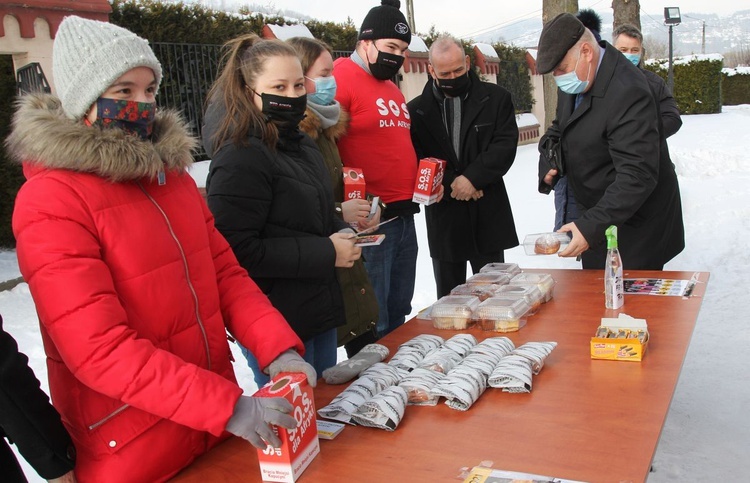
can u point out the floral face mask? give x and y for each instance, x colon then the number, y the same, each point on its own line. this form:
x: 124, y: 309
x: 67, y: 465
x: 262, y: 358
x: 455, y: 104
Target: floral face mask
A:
x: 133, y: 117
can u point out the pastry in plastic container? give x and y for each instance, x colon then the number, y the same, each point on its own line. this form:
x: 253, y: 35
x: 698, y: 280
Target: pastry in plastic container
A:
x: 530, y: 293
x: 482, y: 292
x: 543, y: 281
x: 453, y: 312
x: 545, y: 243
x: 501, y: 315
x: 488, y: 279
x: 509, y: 268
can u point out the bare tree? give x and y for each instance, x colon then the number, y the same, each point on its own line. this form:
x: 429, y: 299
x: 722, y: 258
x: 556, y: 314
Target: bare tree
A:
x: 655, y: 48
x: 739, y: 57
x: 550, y: 10
x: 626, y: 11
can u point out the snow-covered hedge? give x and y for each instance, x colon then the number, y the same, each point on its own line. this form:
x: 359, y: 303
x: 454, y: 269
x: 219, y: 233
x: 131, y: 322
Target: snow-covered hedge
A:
x: 697, y: 81
x: 735, y: 86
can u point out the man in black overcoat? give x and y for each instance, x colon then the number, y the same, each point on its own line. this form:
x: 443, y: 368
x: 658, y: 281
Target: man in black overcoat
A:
x: 609, y: 146
x: 472, y: 126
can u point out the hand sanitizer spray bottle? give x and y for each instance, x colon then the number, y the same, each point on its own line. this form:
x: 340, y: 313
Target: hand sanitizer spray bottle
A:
x: 614, y: 292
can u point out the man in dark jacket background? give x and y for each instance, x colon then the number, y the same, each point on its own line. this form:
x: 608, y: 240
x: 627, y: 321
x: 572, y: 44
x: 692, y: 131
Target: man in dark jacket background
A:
x: 29, y: 421
x: 629, y: 40
x: 612, y: 151
x: 472, y: 126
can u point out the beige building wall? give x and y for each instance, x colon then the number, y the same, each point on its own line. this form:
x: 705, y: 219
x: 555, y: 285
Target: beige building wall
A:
x: 537, y: 91
x: 26, y: 51
x: 412, y: 84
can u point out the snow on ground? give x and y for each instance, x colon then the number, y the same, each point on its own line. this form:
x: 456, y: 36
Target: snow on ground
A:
x: 707, y: 430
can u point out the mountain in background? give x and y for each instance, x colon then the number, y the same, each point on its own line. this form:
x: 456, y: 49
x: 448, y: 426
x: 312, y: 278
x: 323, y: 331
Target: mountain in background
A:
x: 723, y: 34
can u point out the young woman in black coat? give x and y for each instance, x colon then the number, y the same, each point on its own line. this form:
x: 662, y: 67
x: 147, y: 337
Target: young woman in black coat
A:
x: 271, y: 194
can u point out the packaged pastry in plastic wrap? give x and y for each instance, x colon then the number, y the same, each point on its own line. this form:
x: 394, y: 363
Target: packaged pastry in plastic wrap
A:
x: 461, y: 387
x: 501, y: 315
x: 536, y: 353
x: 545, y: 243
x: 343, y: 406
x: 530, y: 293
x: 418, y: 385
x: 484, y: 363
x: 383, y: 374
x: 453, y: 312
x: 543, y: 281
x: 426, y: 343
x: 385, y: 410
x: 499, y: 346
x: 442, y: 360
x: 511, y: 269
x: 406, y: 358
x: 460, y: 343
x: 512, y: 374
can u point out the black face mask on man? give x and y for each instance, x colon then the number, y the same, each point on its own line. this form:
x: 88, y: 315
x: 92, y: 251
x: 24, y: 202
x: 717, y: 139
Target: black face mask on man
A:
x: 386, y: 65
x: 456, y: 87
x: 287, y: 112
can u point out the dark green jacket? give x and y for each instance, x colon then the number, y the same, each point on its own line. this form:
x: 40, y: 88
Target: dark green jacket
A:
x: 360, y: 304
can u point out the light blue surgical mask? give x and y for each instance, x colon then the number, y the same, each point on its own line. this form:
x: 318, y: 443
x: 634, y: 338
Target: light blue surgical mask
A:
x: 634, y: 58
x: 570, y: 83
x: 325, y: 91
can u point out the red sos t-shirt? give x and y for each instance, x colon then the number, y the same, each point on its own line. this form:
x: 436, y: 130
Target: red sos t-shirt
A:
x: 377, y: 140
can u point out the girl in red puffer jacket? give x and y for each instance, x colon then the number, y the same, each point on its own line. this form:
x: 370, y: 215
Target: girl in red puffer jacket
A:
x: 134, y: 287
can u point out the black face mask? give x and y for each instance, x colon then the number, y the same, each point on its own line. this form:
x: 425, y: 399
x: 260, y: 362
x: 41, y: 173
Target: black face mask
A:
x: 287, y: 112
x: 386, y: 65
x: 456, y: 87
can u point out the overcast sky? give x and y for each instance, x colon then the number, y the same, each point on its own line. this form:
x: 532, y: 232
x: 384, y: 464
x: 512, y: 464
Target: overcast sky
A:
x: 470, y: 17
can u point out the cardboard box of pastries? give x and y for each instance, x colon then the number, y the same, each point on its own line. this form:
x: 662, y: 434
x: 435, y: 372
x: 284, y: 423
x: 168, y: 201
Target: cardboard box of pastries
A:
x: 620, y: 339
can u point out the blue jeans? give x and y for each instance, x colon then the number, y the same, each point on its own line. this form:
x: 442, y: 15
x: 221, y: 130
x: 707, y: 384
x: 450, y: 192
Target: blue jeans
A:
x: 320, y: 352
x: 566, y: 209
x: 392, y: 268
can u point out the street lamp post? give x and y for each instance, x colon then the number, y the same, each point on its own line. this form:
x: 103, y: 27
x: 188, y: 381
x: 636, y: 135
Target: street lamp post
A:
x: 671, y: 18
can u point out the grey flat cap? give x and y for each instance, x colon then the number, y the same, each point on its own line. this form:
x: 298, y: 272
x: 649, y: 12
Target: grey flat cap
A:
x: 558, y: 36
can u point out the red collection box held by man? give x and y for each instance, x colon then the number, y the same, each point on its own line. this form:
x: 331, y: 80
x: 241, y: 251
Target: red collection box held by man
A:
x: 354, y: 184
x: 298, y: 446
x: 429, y: 178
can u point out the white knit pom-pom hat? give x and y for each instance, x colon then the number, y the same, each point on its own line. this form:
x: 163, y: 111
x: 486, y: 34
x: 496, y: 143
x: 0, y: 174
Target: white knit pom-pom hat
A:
x: 88, y: 56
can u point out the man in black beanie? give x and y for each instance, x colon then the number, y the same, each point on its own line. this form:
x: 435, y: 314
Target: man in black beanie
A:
x: 611, y: 149
x: 379, y: 143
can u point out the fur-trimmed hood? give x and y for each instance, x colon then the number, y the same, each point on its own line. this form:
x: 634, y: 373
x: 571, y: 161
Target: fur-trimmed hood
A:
x: 41, y: 135
x: 312, y: 126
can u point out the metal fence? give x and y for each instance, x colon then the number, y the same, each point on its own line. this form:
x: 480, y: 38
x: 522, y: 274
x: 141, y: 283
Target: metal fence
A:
x: 188, y: 71
x: 31, y: 78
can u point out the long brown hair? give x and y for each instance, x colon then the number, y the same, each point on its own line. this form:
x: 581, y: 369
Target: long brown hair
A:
x: 244, y: 60
x: 308, y: 50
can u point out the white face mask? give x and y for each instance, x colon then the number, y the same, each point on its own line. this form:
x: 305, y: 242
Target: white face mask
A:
x: 569, y: 83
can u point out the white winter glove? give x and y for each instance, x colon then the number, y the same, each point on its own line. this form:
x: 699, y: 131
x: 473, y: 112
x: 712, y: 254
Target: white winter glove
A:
x: 290, y: 361
x: 253, y: 416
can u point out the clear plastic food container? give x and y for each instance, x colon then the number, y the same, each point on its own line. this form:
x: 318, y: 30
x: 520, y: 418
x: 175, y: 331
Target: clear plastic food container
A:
x: 482, y: 292
x: 453, y: 312
x: 511, y: 269
x: 543, y: 281
x: 530, y: 293
x: 545, y: 243
x: 487, y: 279
x: 501, y: 315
